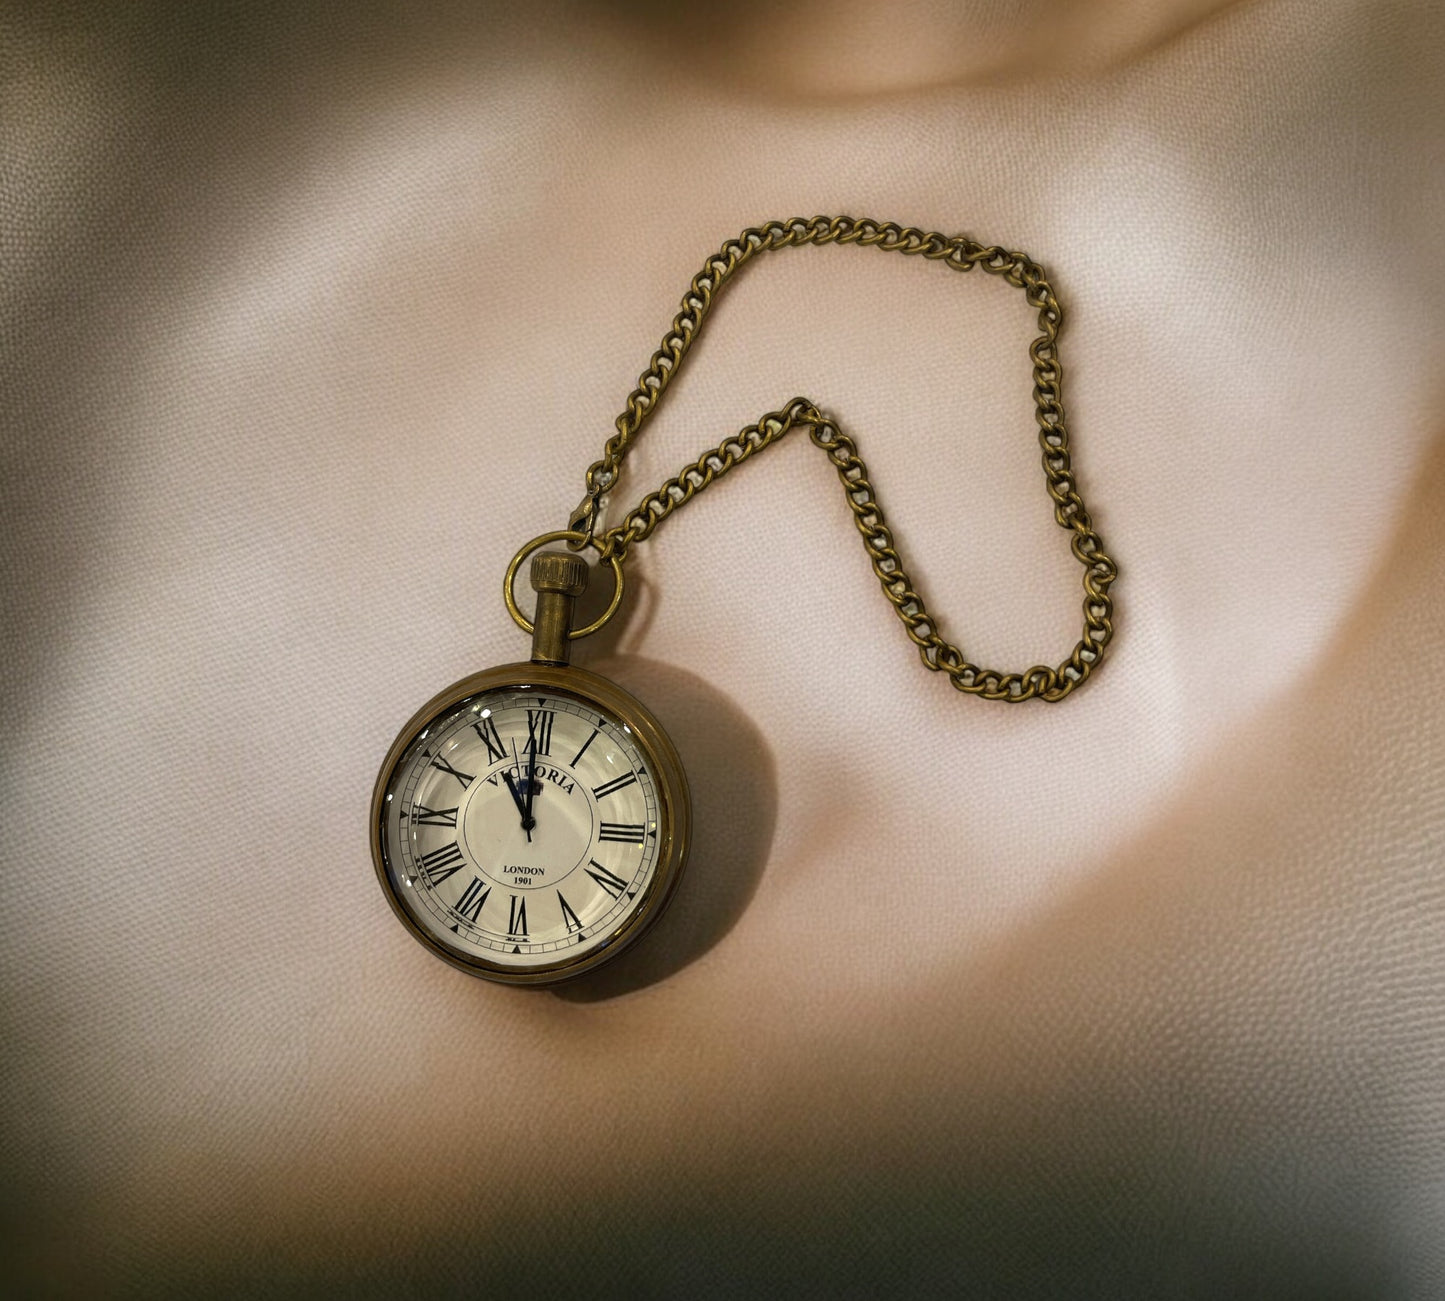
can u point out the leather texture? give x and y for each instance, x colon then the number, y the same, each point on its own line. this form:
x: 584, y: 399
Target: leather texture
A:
x: 313, y: 313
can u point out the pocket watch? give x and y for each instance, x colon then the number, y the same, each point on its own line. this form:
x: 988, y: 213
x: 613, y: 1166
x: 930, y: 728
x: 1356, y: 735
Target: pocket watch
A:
x: 533, y: 820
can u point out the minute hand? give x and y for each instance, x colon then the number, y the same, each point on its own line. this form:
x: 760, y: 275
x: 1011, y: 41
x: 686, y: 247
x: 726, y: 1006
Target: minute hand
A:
x: 531, y: 785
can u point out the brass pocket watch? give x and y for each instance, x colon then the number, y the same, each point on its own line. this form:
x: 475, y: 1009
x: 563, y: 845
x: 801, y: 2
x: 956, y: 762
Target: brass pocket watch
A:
x: 533, y: 820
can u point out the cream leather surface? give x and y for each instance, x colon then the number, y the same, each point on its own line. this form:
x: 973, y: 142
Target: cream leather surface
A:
x: 312, y: 314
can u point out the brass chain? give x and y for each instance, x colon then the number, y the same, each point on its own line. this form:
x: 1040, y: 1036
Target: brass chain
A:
x: 961, y: 254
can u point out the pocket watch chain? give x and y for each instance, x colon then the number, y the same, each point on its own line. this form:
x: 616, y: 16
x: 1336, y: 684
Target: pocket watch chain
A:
x: 937, y: 653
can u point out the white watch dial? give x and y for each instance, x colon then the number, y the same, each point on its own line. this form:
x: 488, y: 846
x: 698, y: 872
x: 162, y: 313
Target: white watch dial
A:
x: 521, y: 827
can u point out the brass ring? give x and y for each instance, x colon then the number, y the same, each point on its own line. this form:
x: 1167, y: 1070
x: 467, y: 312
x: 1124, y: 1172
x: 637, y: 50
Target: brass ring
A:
x: 582, y: 540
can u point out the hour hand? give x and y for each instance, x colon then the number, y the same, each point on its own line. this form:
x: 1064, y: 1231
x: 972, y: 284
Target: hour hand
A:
x: 516, y: 795
x: 523, y: 805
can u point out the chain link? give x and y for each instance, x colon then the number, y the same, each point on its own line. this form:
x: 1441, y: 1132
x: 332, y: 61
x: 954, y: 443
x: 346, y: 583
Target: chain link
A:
x: 961, y: 254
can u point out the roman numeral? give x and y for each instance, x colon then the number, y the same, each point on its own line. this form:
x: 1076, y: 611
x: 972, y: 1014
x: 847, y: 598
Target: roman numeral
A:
x: 628, y: 833
x: 616, y: 784
x: 577, y: 758
x: 424, y: 817
x: 539, y: 730
x: 473, y: 897
x: 517, y: 920
x: 609, y: 881
x: 573, y: 922
x: 441, y: 863
x: 487, y: 730
x: 465, y: 778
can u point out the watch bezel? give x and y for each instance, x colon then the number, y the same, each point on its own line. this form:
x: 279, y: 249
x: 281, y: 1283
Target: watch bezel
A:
x: 674, y: 812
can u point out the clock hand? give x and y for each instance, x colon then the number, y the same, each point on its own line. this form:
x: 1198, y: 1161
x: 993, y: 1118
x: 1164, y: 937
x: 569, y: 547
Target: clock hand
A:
x: 531, y: 821
x: 516, y: 794
x: 528, y: 822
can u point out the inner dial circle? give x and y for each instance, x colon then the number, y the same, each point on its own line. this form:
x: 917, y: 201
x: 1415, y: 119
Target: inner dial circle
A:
x: 523, y: 826
x: 508, y: 852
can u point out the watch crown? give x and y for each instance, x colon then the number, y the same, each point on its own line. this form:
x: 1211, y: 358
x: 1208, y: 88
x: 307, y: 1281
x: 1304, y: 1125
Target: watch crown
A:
x: 556, y: 571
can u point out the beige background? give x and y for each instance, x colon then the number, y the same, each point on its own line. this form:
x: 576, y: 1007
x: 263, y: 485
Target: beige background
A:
x: 312, y: 314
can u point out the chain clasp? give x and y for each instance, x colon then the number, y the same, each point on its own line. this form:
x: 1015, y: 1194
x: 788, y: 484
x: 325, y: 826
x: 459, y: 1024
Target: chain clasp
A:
x: 589, y: 519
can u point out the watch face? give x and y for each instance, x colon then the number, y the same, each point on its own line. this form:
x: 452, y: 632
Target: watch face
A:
x: 530, y: 822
